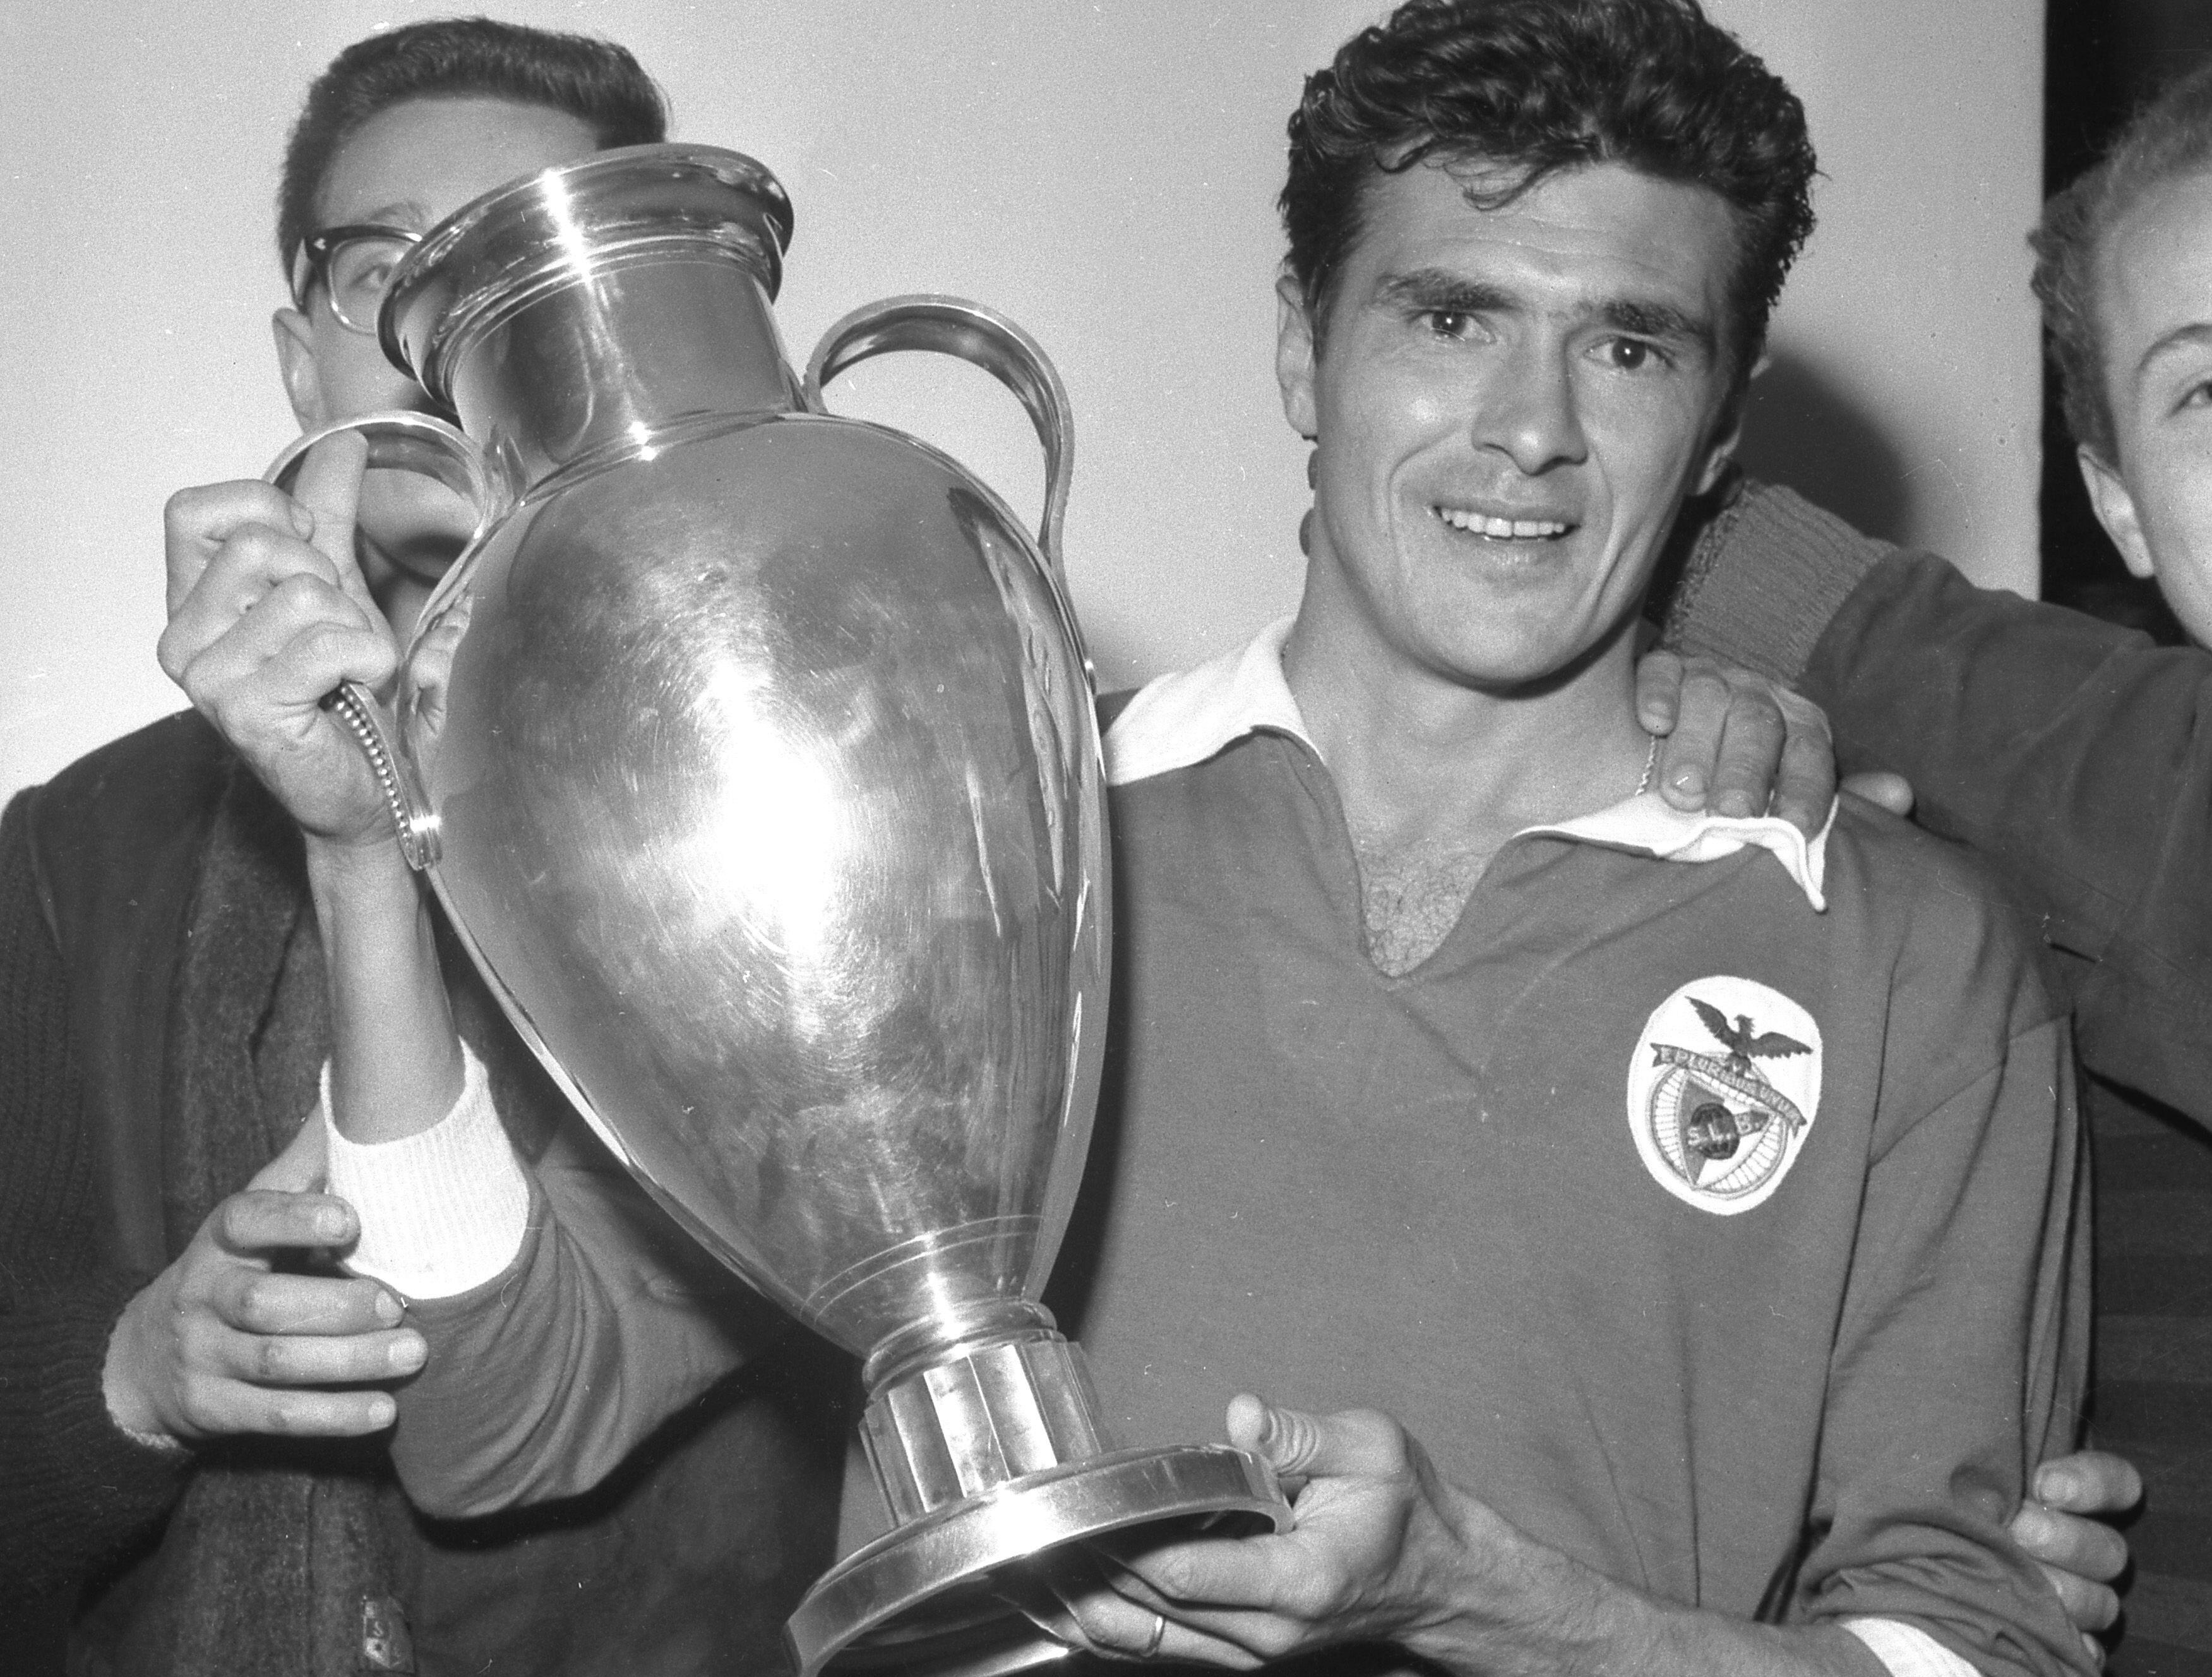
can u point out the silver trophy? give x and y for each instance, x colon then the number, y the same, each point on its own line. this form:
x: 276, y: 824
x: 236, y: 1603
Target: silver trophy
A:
x: 752, y: 753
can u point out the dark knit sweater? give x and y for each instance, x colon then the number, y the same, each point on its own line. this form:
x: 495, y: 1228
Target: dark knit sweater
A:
x: 160, y: 1021
x: 76, y: 1492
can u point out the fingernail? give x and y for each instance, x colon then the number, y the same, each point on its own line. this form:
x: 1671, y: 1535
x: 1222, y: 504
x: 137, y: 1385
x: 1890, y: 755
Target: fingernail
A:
x: 1733, y: 805
x: 329, y: 1224
x: 388, y: 1309
x: 381, y: 1411
x: 407, y: 1353
x: 2055, y: 1485
x: 303, y: 521
x: 1689, y: 780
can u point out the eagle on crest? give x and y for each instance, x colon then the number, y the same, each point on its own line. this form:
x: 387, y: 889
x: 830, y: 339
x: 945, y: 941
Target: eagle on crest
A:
x: 1742, y: 1045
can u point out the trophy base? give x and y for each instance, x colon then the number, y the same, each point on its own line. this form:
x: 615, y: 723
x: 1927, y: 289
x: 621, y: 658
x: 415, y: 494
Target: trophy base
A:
x: 927, y: 1597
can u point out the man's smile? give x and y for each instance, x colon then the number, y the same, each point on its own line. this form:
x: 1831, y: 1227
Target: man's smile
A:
x: 1497, y: 528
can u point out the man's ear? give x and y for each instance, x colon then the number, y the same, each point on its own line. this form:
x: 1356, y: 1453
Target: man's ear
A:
x: 1728, y: 429
x: 295, y: 357
x: 1294, y: 356
x: 2115, y: 508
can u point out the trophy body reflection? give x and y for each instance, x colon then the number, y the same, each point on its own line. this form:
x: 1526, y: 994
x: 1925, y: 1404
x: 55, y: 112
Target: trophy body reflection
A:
x: 751, y: 752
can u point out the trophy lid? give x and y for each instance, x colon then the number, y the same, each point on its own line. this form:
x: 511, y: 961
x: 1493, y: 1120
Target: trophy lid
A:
x: 642, y: 203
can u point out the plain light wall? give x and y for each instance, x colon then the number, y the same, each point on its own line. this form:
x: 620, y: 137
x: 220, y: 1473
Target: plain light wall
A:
x: 1907, y: 389
x: 1104, y: 174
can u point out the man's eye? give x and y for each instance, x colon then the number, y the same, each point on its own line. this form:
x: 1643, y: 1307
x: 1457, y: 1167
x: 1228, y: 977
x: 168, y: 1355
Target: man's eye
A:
x: 2198, y: 396
x: 1450, y: 322
x: 1631, y: 355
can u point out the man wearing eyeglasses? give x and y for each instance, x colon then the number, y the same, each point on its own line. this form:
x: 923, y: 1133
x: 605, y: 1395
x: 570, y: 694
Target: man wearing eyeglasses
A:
x: 189, y: 1479
x: 407, y: 529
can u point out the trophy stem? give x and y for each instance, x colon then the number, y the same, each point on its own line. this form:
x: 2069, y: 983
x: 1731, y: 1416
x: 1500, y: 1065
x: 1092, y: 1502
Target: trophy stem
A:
x: 986, y: 1414
x: 990, y: 1450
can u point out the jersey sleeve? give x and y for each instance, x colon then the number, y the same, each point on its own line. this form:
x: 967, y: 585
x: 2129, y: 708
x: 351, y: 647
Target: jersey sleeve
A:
x: 1959, y: 1359
x: 543, y: 1379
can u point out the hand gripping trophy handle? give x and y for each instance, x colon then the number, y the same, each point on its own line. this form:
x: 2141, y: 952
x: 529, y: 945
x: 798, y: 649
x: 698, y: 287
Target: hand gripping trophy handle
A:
x: 400, y: 441
x: 409, y: 443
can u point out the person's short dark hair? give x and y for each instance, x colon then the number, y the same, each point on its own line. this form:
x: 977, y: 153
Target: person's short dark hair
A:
x: 1534, y: 87
x: 2169, y: 137
x: 594, y: 80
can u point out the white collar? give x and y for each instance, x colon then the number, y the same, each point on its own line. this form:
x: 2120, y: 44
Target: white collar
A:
x: 1177, y: 720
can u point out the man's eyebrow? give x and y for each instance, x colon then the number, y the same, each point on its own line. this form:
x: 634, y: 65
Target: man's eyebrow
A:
x: 1439, y: 289
x: 1661, y: 320
x: 407, y: 212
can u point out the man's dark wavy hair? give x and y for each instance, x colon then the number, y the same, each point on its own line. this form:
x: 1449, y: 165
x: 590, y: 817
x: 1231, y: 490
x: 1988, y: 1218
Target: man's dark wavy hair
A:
x: 596, y: 82
x: 1539, y: 86
x: 2169, y: 137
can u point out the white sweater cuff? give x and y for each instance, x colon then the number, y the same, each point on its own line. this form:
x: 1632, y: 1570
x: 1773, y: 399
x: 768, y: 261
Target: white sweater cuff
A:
x: 1906, y: 1649
x: 441, y: 1210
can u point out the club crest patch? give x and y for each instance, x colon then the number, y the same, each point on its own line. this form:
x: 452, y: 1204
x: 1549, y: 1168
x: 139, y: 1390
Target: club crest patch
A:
x: 1723, y: 1089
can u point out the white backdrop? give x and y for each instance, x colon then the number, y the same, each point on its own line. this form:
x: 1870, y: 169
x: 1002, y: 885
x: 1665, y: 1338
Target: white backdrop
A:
x: 1103, y: 172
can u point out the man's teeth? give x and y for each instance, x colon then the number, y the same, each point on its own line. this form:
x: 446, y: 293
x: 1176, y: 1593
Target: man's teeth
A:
x: 1522, y: 529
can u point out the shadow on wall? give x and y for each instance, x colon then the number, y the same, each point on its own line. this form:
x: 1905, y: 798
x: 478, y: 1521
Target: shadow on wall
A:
x: 1802, y: 430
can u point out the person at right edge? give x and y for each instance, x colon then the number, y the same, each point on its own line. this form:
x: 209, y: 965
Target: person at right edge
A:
x: 2077, y: 757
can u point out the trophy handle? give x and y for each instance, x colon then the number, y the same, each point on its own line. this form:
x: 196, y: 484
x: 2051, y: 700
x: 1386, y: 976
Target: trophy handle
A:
x: 953, y: 326
x: 403, y: 442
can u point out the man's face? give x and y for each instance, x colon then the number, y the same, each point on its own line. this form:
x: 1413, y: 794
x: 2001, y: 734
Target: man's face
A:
x: 2153, y: 299
x: 1509, y: 406
x: 409, y: 166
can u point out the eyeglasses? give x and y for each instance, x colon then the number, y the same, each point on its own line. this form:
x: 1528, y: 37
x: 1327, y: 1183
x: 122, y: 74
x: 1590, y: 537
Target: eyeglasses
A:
x: 357, y: 263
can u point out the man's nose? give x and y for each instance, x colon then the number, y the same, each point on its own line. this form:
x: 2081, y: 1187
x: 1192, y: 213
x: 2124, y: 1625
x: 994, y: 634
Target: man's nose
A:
x: 1528, y: 410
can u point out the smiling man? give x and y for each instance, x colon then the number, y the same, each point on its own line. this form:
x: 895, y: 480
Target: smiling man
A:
x: 1655, y: 1227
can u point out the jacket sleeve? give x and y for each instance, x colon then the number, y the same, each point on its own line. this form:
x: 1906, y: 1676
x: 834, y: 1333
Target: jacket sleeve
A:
x: 540, y: 1381
x: 2074, y: 754
x: 1764, y: 575
x: 74, y: 1488
x: 2077, y: 757
x: 1959, y: 1359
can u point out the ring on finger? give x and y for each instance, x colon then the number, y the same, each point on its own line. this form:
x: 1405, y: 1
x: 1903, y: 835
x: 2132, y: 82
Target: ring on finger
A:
x: 1153, y: 1642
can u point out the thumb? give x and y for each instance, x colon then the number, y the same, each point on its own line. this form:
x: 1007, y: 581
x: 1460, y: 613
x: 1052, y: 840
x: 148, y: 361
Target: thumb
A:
x: 329, y: 487
x: 1293, y: 1442
x: 303, y: 1164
